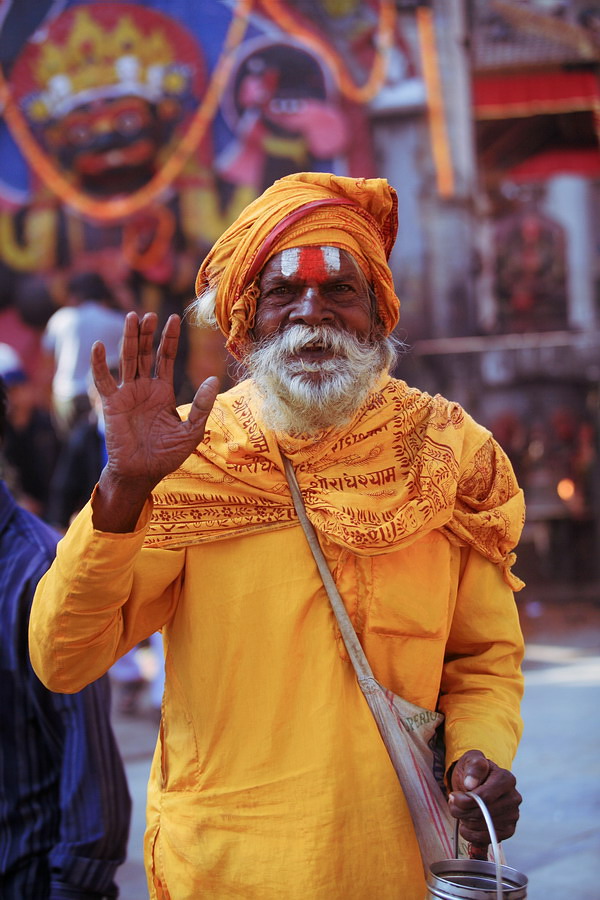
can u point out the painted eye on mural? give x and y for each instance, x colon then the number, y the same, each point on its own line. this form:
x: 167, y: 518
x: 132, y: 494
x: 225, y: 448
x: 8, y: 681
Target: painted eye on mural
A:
x: 129, y: 122
x: 78, y: 133
x: 289, y: 106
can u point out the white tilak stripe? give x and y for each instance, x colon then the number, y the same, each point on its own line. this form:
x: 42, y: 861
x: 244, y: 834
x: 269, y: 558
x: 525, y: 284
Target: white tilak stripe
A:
x: 331, y: 259
x: 289, y: 261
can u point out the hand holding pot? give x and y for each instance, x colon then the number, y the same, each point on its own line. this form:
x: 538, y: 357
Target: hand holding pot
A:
x: 496, y: 787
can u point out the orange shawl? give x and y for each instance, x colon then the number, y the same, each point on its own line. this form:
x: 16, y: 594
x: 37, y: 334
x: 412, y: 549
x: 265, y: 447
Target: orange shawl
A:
x: 305, y: 209
x: 408, y: 463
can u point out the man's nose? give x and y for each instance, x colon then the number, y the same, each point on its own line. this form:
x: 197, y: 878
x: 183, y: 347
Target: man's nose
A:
x: 311, y: 308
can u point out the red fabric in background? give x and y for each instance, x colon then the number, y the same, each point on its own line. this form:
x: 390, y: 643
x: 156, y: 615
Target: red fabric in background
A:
x: 584, y: 162
x: 500, y: 96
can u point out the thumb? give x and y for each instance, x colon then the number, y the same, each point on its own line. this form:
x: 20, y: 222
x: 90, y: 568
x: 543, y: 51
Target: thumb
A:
x: 470, y: 771
x: 203, y: 401
x: 475, y: 771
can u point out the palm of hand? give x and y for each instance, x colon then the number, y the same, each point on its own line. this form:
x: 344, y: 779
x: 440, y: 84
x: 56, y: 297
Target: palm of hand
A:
x: 145, y: 438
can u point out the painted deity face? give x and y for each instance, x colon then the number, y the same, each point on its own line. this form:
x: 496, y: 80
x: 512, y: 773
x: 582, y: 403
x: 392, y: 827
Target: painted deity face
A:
x: 111, y: 144
x: 313, y: 286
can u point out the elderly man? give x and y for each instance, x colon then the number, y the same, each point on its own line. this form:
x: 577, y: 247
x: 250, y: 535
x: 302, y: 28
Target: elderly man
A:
x: 270, y: 779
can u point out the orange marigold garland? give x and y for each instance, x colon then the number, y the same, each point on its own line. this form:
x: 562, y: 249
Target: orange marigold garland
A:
x: 291, y: 24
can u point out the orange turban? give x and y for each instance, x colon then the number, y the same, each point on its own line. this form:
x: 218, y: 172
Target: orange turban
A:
x: 306, y: 209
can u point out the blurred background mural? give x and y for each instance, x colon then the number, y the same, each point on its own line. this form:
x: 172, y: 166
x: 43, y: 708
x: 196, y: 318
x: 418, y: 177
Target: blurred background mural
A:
x: 133, y: 132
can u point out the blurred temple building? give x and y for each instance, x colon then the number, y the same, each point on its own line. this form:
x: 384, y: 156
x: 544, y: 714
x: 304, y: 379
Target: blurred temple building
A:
x: 498, y: 266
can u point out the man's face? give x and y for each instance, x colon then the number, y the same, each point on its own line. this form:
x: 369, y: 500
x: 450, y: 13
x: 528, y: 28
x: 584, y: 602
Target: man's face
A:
x: 313, y: 286
x: 317, y: 348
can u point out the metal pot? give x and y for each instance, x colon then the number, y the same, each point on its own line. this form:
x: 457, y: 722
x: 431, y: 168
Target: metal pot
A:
x: 474, y: 879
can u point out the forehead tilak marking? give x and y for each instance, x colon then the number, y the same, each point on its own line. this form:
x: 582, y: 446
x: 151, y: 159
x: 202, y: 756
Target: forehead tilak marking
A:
x: 332, y: 259
x: 319, y: 262
x: 310, y: 261
x: 289, y: 261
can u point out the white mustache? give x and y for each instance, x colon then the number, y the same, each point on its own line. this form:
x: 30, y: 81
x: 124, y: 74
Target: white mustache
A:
x: 300, y: 337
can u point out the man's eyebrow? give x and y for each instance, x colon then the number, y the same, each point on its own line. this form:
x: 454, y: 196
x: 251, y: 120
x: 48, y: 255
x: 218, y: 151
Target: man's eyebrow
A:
x: 273, y: 278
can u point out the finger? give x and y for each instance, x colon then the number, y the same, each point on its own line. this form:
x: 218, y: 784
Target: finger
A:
x: 475, y: 772
x: 479, y: 834
x: 504, y: 812
x: 471, y: 770
x: 499, y: 786
x: 473, y: 828
x: 167, y: 349
x: 105, y: 383
x: 506, y: 805
x: 145, y: 345
x: 129, y: 347
x: 203, y: 401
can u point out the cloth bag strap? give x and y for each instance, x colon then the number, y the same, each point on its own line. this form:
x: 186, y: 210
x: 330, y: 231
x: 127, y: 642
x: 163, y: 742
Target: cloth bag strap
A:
x: 351, y: 642
x: 410, y: 755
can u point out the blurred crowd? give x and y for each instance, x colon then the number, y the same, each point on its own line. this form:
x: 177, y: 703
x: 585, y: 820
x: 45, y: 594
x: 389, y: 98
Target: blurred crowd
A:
x: 54, y: 447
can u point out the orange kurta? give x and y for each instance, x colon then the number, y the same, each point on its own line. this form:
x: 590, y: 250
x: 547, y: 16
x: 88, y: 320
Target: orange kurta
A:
x: 270, y: 779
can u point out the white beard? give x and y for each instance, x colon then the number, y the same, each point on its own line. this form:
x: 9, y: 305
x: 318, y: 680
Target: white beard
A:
x: 306, y: 397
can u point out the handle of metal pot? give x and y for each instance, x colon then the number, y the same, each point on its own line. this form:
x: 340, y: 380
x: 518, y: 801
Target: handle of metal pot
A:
x: 494, y: 840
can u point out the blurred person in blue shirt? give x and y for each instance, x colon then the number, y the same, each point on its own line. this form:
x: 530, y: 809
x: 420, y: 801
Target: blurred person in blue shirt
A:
x: 31, y: 446
x: 64, y: 803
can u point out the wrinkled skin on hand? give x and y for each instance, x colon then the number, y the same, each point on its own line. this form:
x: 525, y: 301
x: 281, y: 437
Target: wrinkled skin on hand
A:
x: 145, y: 438
x: 496, y: 787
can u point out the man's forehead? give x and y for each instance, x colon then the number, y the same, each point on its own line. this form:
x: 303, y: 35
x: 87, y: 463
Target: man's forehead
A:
x: 319, y: 262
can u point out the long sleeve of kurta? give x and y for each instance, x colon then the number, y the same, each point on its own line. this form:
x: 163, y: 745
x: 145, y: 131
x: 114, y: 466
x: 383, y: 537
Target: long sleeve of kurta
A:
x: 106, y: 604
x: 482, y: 685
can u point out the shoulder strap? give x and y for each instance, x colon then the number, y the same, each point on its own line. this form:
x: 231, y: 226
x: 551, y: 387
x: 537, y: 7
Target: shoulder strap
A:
x: 351, y: 642
x: 410, y: 755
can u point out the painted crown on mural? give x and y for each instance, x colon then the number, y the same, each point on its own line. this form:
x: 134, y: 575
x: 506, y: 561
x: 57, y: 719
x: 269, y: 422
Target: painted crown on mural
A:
x: 96, y: 61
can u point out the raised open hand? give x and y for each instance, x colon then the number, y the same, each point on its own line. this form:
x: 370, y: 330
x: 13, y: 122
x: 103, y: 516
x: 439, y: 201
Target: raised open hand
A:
x: 145, y: 438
